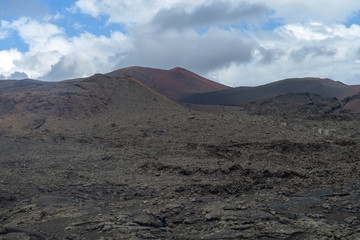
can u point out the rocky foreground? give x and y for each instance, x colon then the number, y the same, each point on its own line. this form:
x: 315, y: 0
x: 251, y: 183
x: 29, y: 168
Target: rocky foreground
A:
x: 178, y: 172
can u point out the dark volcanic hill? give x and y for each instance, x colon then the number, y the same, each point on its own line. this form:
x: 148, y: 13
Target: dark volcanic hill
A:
x: 240, y: 95
x: 30, y: 104
x: 175, y: 84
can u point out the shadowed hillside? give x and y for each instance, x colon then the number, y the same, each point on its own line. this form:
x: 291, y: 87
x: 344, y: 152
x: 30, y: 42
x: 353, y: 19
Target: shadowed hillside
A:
x: 240, y: 95
x: 175, y: 84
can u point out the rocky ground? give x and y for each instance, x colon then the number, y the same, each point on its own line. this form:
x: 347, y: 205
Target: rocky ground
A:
x: 192, y: 172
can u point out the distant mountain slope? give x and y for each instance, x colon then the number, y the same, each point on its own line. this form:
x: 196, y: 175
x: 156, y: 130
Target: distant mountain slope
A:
x: 240, y: 95
x: 29, y: 104
x: 175, y: 84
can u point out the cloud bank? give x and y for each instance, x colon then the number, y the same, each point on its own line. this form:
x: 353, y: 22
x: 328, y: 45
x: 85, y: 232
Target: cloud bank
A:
x: 232, y: 42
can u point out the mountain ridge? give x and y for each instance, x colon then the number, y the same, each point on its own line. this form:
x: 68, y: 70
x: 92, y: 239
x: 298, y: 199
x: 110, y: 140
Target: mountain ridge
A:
x: 181, y: 85
x: 240, y: 95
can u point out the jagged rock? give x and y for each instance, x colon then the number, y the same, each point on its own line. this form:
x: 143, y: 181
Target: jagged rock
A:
x: 148, y: 220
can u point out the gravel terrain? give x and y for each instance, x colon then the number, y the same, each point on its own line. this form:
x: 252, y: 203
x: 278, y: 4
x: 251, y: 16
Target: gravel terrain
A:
x: 122, y: 162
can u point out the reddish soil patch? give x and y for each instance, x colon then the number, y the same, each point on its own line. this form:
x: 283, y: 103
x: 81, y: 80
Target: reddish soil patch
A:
x: 354, y: 106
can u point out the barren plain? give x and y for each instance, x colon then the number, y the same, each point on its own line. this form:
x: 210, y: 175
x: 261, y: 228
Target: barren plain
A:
x: 105, y: 158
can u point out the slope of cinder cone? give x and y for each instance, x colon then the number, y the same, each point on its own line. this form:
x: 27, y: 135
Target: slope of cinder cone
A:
x: 41, y: 105
x: 175, y: 84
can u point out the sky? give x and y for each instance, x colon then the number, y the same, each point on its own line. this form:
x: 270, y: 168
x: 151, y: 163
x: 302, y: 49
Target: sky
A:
x: 233, y: 42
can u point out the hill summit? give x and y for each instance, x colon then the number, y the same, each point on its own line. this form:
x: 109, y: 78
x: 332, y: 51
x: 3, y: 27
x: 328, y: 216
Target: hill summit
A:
x: 175, y: 84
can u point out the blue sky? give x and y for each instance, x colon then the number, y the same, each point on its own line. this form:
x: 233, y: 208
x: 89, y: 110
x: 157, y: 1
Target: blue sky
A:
x: 235, y: 42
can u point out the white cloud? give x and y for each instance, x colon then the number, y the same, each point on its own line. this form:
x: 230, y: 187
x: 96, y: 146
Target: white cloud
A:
x: 313, y: 41
x: 290, y: 11
x: 36, y: 65
x: 45, y: 41
x: 37, y: 35
x: 3, y: 34
x: 299, y: 32
x: 89, y: 54
x: 214, y: 13
x: 57, y: 16
x: 318, y: 31
x: 131, y: 11
x: 299, y: 50
x: 50, y: 50
x: 214, y: 49
x: 7, y: 59
x: 326, y: 11
x: 3, y: 29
